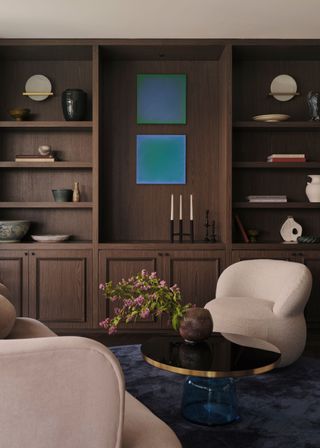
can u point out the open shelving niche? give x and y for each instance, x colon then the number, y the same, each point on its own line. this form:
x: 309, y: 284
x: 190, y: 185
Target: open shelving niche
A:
x: 26, y: 187
x: 254, y: 67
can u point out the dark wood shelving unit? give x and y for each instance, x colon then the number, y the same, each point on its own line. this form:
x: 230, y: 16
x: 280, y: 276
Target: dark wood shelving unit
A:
x: 285, y: 205
x: 120, y: 227
x: 277, y: 166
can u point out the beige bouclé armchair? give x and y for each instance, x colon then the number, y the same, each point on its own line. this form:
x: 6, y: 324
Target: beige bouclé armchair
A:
x: 67, y: 392
x: 264, y: 299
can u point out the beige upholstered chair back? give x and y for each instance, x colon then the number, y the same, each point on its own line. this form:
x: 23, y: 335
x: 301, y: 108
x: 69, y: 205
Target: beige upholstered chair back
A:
x: 286, y: 284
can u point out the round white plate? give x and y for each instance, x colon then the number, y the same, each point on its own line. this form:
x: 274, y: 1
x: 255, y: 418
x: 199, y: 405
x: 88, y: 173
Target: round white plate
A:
x: 50, y: 238
x: 283, y: 84
x: 38, y: 83
x: 271, y: 117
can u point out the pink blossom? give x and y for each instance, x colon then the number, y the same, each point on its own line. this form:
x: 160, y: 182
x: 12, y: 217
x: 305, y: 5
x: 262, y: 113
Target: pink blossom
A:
x: 112, y: 329
x: 174, y: 288
x: 139, y: 300
x: 163, y: 283
x: 101, y: 286
x: 117, y: 311
x: 145, y: 313
x: 144, y: 273
x: 105, y: 323
x: 153, y: 275
x: 113, y: 298
x: 127, y: 302
x: 145, y: 287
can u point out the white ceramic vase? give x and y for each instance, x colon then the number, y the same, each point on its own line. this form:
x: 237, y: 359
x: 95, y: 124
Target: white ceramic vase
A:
x: 290, y: 230
x: 313, y: 188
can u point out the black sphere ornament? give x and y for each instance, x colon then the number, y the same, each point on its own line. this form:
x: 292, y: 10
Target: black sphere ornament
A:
x: 74, y: 102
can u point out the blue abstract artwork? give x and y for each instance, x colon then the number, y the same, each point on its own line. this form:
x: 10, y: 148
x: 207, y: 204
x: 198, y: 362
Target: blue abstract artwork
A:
x: 161, y: 159
x: 161, y: 99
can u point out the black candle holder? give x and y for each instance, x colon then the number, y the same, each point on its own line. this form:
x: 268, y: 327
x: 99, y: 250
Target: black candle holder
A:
x: 180, y: 234
x: 212, y: 238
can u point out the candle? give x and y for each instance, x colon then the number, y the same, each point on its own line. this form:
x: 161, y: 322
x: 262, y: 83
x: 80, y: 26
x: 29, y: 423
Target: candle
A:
x: 180, y: 208
x: 171, y: 214
x: 191, y: 207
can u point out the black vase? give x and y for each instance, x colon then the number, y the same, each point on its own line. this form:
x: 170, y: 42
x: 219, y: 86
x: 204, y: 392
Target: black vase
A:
x: 74, y: 103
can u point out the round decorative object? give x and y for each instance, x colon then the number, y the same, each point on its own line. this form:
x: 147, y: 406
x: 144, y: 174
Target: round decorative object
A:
x: 13, y: 231
x: 196, y: 325
x: 283, y: 84
x: 271, y: 118
x: 38, y: 84
x: 313, y: 188
x: 290, y: 230
x: 44, y: 150
x: 74, y: 103
x: 19, y: 114
x: 306, y: 239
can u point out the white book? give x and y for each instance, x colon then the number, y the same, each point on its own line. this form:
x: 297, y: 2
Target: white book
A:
x: 268, y: 200
x: 287, y: 156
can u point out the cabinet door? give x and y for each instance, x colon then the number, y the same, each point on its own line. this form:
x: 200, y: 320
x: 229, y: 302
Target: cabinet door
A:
x: 14, y: 275
x: 60, y: 287
x: 238, y: 255
x: 195, y: 272
x: 118, y: 264
x: 312, y: 312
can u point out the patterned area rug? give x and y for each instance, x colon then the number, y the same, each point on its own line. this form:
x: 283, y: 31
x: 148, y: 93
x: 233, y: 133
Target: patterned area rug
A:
x: 280, y: 409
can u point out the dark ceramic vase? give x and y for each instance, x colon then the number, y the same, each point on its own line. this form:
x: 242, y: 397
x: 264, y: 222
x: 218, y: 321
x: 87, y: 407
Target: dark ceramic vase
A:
x: 74, y: 103
x: 196, y: 325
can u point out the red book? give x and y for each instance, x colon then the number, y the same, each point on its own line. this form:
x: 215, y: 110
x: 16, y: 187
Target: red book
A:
x: 242, y: 229
x: 288, y: 159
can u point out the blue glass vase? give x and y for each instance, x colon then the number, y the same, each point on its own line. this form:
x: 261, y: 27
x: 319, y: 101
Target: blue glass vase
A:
x: 210, y: 401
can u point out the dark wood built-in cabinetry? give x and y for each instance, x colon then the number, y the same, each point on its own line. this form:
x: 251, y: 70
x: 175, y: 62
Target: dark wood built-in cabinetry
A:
x: 119, y: 227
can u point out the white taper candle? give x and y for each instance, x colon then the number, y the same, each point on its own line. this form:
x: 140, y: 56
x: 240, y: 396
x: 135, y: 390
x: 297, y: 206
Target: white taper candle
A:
x: 191, y: 207
x: 180, y: 208
x: 171, y: 213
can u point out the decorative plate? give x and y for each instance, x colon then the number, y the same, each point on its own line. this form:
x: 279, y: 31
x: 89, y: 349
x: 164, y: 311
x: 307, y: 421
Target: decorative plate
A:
x: 283, y: 84
x: 270, y: 118
x: 38, y: 83
x: 50, y: 238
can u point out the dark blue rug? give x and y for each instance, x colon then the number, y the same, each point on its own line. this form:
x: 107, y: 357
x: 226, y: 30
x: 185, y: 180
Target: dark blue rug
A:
x: 280, y: 409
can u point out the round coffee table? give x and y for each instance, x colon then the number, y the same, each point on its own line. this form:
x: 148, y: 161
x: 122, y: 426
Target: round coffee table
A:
x: 209, y: 395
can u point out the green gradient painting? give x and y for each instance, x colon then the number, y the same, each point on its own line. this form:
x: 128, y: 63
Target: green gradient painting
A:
x: 161, y: 99
x: 161, y: 159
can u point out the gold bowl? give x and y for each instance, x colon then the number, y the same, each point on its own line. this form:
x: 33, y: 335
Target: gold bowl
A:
x: 19, y: 114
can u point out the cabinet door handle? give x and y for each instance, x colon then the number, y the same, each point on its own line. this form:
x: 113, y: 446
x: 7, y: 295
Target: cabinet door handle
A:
x: 26, y: 253
x: 167, y: 254
x: 32, y: 253
x: 160, y: 254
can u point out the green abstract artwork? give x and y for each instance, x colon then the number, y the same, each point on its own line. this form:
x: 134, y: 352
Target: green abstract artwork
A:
x: 161, y: 159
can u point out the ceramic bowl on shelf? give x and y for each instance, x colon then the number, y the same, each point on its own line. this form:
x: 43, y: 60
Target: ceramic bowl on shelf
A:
x: 19, y: 114
x: 50, y: 238
x: 13, y: 231
x: 62, y: 195
x: 271, y: 118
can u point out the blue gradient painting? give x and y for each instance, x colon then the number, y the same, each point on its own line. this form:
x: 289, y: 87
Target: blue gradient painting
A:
x: 161, y: 99
x: 161, y: 159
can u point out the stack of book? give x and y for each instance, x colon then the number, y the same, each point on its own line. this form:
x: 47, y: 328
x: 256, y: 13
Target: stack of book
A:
x: 286, y: 158
x: 267, y: 198
x: 34, y: 158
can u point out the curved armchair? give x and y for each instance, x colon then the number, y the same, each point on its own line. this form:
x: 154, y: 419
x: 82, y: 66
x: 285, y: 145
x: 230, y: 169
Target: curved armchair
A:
x: 264, y: 299
x: 68, y: 392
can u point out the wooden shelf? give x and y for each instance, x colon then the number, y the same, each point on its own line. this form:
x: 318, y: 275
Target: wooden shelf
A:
x: 279, y: 165
x: 46, y: 124
x: 311, y: 125
x: 281, y: 245
x: 72, y: 205
x: 276, y: 205
x: 49, y: 165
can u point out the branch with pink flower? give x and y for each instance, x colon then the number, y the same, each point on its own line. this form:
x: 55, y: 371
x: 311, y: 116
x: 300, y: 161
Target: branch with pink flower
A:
x: 143, y: 296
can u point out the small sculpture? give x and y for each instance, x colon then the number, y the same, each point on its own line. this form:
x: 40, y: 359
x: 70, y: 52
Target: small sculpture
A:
x: 313, y: 105
x: 76, y: 193
x: 290, y: 230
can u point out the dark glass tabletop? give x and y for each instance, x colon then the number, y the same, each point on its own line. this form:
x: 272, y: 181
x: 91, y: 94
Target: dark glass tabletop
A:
x: 219, y: 356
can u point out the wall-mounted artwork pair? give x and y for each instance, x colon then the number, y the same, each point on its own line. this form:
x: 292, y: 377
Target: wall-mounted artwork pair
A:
x: 161, y: 99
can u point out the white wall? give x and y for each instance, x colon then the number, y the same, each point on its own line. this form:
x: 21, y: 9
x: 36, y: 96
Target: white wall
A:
x: 160, y: 18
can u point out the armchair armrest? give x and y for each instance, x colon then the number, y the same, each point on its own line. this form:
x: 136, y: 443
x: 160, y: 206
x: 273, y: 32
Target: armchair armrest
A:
x: 66, y: 392
x: 25, y: 327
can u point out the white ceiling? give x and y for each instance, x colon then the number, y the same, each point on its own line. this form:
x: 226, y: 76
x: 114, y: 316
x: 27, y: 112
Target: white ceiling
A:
x: 160, y: 18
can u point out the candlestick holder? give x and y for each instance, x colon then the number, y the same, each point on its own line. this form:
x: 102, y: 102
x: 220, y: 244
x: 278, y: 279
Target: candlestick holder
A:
x: 207, y: 225
x: 180, y: 234
x: 213, y: 237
